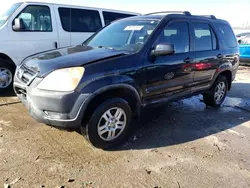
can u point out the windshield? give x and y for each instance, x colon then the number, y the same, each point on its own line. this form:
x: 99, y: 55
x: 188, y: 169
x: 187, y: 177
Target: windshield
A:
x: 4, y: 15
x: 129, y: 35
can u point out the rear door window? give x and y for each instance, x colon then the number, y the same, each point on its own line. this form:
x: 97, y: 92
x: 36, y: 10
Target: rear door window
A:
x: 227, y: 34
x: 80, y: 20
x: 205, y: 38
x: 111, y: 16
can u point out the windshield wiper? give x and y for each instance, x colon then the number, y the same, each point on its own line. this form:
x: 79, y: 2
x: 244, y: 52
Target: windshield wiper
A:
x: 110, y: 48
x: 105, y: 47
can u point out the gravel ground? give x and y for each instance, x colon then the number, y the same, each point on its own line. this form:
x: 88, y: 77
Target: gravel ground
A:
x: 178, y: 145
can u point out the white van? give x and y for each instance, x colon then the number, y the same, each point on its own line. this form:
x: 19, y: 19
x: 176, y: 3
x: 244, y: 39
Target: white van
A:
x: 27, y: 28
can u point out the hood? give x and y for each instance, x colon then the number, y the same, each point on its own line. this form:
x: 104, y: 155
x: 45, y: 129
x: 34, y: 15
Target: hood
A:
x: 46, y: 62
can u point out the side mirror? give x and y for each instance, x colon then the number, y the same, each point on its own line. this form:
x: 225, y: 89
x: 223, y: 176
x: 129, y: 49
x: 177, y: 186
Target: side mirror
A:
x: 239, y: 41
x: 18, y: 25
x: 163, y: 49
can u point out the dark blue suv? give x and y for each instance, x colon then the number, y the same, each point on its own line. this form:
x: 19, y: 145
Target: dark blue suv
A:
x: 101, y: 85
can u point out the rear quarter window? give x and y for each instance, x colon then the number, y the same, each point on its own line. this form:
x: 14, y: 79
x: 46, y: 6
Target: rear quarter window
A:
x: 227, y: 34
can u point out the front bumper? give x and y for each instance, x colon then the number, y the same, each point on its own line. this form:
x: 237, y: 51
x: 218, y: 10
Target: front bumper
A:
x: 59, y: 109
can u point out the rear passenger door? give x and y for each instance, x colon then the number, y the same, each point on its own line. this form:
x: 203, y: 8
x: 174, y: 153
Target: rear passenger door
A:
x: 76, y: 25
x: 207, y: 54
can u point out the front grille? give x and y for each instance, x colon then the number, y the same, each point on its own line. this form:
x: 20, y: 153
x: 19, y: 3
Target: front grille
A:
x: 26, y: 75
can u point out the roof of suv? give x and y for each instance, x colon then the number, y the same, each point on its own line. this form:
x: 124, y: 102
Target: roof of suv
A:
x: 161, y: 15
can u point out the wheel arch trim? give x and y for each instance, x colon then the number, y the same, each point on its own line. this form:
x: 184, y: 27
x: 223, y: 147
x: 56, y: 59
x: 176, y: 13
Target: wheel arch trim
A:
x: 5, y: 56
x: 110, y: 88
x: 223, y: 71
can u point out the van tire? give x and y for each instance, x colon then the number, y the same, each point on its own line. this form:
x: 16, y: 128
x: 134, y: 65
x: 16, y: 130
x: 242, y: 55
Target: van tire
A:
x: 210, y: 96
x: 8, y: 67
x: 92, y: 132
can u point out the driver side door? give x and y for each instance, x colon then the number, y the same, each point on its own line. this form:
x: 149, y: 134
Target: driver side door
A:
x: 39, y: 33
x: 170, y: 77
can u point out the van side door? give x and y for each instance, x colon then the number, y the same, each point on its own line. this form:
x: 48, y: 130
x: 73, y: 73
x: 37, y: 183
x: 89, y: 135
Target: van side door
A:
x: 62, y: 17
x: 77, y: 24
x: 38, y: 34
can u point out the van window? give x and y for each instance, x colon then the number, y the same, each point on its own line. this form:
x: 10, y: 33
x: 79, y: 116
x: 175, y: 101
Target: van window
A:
x: 111, y: 16
x: 80, y: 20
x: 36, y: 19
x: 177, y: 34
x: 227, y: 34
x: 204, y: 37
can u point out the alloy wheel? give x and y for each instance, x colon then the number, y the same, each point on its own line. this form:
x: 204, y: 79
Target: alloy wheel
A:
x: 220, y: 92
x: 5, y: 77
x: 111, y: 124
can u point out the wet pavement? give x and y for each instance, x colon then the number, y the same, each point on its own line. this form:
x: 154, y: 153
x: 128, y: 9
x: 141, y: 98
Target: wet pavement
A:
x: 181, y: 144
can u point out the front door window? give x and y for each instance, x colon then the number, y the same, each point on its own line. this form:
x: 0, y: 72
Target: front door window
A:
x: 36, y: 19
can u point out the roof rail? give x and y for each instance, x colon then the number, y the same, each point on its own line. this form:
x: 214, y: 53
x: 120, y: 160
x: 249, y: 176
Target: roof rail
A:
x: 208, y: 16
x: 186, y: 13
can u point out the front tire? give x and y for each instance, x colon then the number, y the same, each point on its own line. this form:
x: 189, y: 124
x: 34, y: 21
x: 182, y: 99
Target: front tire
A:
x: 7, y: 71
x: 216, y: 96
x: 110, y: 124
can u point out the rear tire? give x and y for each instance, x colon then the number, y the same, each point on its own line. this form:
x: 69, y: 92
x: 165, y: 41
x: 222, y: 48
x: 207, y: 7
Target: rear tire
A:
x: 110, y: 124
x: 7, y: 72
x: 216, y: 96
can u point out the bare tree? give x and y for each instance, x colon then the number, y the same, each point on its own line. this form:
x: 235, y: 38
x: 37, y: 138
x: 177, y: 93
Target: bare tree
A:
x: 246, y: 25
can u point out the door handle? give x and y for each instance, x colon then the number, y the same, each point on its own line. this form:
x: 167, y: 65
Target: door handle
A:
x: 56, y: 45
x: 188, y: 60
x: 220, y: 56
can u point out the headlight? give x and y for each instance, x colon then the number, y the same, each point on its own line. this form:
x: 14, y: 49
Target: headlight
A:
x: 62, y: 79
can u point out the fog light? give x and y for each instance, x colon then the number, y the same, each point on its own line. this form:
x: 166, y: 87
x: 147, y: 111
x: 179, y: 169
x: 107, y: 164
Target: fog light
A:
x: 53, y: 115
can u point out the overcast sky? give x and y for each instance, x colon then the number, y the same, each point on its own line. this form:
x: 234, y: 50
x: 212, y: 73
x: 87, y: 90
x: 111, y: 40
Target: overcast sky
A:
x: 237, y: 12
